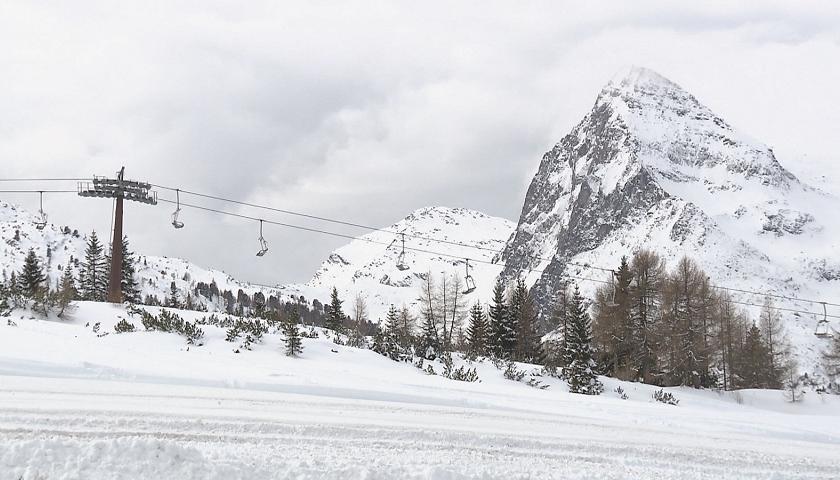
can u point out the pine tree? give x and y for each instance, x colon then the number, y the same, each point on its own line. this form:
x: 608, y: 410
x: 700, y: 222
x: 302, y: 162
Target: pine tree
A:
x: 754, y: 361
x: 406, y: 328
x: 527, y: 334
x: 477, y: 330
x: 392, y: 323
x: 32, y: 276
x: 428, y: 345
x: 335, y: 315
x: 172, y: 300
x: 5, y: 307
x: 502, y: 338
x: 93, y: 278
x: 67, y: 290
x: 294, y: 345
x: 128, y: 284
x: 580, y: 372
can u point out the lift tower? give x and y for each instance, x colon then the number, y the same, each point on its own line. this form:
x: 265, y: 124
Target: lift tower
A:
x: 119, y: 189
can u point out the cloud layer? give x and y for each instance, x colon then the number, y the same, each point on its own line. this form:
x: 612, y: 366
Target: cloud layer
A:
x: 366, y: 111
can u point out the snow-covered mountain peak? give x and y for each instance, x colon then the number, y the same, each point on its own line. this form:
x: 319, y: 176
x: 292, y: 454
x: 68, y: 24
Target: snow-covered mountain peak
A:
x: 438, y: 240
x: 669, y: 132
x: 651, y: 167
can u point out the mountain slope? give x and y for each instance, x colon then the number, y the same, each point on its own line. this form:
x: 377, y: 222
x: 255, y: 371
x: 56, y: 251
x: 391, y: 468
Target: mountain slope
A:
x: 368, y: 266
x: 649, y: 166
x: 57, y: 247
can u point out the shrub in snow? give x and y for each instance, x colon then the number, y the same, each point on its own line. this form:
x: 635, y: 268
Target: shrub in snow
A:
x: 665, y: 397
x: 620, y: 392
x: 513, y: 373
x: 460, y: 374
x: 124, y: 327
x: 251, y: 330
x: 171, y: 322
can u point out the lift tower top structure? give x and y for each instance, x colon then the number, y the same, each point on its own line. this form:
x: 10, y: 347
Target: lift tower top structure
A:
x: 119, y: 189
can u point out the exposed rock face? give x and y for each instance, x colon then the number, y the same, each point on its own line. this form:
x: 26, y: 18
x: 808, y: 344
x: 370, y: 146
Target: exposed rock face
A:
x: 650, y: 166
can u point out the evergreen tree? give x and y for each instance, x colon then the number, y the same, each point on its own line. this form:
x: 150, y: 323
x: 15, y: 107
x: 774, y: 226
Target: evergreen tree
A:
x: 392, y: 322
x: 5, y: 307
x: 335, y: 315
x: 428, y: 345
x: 172, y: 300
x: 754, y: 364
x: 294, y: 345
x: 128, y: 284
x: 67, y: 290
x: 406, y: 328
x: 32, y: 276
x: 580, y: 372
x: 477, y: 330
x: 527, y: 335
x: 93, y: 278
x: 502, y: 338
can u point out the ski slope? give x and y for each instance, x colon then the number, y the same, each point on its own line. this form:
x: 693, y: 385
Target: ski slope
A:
x: 76, y: 404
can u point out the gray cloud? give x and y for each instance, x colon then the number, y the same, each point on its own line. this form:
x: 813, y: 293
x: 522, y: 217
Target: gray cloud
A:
x: 367, y: 111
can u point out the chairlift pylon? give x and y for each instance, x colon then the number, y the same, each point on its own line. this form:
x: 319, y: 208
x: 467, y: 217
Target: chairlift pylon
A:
x: 401, y: 258
x: 175, y: 222
x: 469, y: 282
x: 263, y: 243
x: 41, y: 222
x: 822, y: 325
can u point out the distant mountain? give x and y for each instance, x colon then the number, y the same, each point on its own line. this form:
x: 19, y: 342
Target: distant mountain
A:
x: 368, y: 266
x: 650, y: 166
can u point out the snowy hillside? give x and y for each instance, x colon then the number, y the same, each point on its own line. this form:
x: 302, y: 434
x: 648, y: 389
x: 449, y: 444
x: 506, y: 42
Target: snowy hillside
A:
x: 56, y: 245
x: 649, y: 166
x: 78, y: 400
x: 368, y: 266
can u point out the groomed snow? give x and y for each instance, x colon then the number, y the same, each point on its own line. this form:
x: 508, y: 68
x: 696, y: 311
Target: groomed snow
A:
x: 146, y: 405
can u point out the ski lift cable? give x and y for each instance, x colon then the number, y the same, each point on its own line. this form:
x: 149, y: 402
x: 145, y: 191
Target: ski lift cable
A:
x: 460, y: 244
x: 442, y: 254
x: 343, y: 235
x: 360, y: 225
x: 366, y: 227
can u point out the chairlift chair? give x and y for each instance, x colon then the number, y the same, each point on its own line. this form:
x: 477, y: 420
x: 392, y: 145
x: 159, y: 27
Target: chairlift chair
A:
x: 41, y: 221
x: 613, y: 274
x: 822, y: 325
x: 175, y: 222
x: 469, y: 282
x: 263, y: 243
x: 401, y: 258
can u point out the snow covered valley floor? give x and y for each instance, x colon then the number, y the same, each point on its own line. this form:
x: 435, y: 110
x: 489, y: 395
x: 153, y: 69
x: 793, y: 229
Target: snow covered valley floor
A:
x: 74, y: 405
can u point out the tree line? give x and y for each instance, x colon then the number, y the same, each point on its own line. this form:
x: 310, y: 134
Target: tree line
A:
x: 672, y: 328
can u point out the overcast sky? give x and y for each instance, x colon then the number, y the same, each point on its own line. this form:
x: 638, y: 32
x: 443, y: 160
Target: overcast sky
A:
x: 366, y: 111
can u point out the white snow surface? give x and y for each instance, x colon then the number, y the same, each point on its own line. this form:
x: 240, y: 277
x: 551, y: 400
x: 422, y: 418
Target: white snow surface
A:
x: 75, y: 404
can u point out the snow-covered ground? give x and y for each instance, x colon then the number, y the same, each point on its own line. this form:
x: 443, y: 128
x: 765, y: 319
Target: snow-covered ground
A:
x: 74, y: 404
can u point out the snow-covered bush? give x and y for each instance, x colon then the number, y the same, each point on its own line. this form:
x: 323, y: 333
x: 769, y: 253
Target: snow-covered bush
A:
x: 124, y: 326
x: 665, y: 397
x: 513, y: 373
x: 171, y: 322
x: 620, y: 392
x: 461, y: 374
